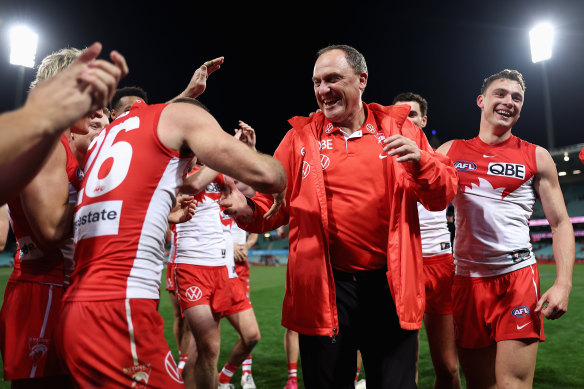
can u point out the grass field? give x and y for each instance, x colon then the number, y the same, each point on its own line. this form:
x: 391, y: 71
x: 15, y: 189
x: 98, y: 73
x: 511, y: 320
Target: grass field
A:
x: 560, y: 362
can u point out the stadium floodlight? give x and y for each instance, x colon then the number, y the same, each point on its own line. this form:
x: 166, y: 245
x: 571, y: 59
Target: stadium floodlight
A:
x: 541, y: 38
x: 23, y: 46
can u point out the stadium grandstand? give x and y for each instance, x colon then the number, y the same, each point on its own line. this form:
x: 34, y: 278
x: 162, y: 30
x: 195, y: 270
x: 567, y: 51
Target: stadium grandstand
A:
x: 571, y: 176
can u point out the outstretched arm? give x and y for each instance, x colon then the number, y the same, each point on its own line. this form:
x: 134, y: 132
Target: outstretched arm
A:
x: 554, y: 302
x: 29, y: 134
x: 184, y: 126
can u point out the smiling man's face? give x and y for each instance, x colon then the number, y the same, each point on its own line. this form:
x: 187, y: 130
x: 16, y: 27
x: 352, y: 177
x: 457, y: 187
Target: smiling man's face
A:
x: 338, y: 88
x: 501, y: 103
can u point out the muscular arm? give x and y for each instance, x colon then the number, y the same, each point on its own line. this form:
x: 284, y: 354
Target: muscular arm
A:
x: 28, y: 135
x: 184, y: 125
x: 45, y: 201
x: 26, y: 139
x: 554, y: 302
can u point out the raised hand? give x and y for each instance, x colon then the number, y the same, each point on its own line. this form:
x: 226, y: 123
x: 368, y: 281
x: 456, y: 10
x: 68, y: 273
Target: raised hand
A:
x: 198, y: 82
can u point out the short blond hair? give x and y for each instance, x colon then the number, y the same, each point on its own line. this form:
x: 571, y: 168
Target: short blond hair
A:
x: 54, y: 63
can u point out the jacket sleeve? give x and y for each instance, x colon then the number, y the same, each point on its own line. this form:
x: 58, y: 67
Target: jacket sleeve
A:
x: 433, y: 179
x: 262, y: 202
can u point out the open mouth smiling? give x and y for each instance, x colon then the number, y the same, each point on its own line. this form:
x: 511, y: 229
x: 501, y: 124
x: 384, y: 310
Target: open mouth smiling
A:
x: 504, y: 113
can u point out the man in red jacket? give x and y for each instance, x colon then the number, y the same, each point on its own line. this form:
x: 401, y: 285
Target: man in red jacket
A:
x: 354, y: 276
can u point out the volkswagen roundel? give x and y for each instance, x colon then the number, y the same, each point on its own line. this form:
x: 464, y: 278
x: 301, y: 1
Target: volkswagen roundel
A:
x: 465, y: 166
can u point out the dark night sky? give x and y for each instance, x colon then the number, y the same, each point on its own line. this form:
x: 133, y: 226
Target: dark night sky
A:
x: 440, y: 49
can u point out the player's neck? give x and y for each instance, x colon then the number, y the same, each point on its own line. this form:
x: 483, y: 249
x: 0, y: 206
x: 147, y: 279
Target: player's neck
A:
x: 494, y: 135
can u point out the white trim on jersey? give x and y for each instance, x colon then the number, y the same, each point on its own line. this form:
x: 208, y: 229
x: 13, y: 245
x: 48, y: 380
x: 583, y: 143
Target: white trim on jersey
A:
x: 144, y: 279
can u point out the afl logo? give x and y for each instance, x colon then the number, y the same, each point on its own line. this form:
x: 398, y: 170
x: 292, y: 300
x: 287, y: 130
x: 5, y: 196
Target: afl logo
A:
x: 325, y: 161
x: 329, y: 128
x: 305, y: 169
x: 193, y: 293
x: 370, y: 128
x: 520, y: 311
x: 465, y: 166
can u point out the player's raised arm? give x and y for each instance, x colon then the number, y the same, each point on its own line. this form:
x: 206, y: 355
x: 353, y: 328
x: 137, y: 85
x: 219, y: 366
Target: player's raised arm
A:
x: 28, y: 135
x: 184, y: 125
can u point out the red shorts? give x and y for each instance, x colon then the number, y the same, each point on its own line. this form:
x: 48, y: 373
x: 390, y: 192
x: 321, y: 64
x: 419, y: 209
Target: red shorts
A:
x: 438, y: 275
x: 27, y: 323
x: 203, y: 285
x: 242, y: 270
x: 116, y: 344
x: 492, y: 309
x: 170, y: 285
x: 239, y: 299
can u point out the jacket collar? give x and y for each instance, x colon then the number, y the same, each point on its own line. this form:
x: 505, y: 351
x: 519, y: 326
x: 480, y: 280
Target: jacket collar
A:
x: 376, y: 113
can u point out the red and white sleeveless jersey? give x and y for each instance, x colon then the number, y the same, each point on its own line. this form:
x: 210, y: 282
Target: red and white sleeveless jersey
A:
x: 32, y: 263
x: 200, y: 241
x: 130, y: 185
x: 493, y: 206
x: 434, y: 232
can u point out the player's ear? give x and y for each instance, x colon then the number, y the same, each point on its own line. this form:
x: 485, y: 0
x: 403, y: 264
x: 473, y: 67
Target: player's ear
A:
x: 363, y: 81
x: 481, y: 101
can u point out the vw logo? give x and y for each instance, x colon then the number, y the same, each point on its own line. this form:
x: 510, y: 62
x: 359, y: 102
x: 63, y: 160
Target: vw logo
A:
x: 193, y: 293
x: 305, y: 169
x: 325, y: 161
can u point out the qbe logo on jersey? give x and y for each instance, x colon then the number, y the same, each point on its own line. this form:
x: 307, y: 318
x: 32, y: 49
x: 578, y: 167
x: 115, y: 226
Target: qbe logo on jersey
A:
x: 513, y: 170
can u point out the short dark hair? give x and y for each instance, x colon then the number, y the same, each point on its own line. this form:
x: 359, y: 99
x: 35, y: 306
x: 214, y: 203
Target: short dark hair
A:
x: 355, y: 59
x: 509, y: 74
x: 411, y: 96
x: 190, y: 100
x: 128, y: 91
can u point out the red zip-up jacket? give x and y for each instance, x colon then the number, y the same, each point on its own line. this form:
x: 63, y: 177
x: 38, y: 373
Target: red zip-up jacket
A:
x: 310, y: 303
